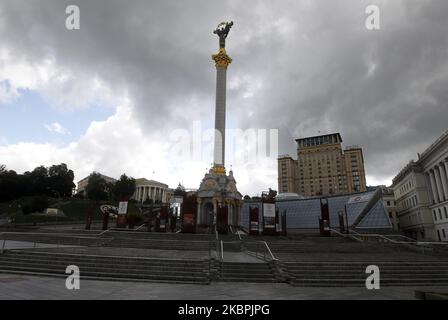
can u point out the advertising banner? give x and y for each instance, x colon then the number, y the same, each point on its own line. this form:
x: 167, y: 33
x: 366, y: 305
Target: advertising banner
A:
x: 269, y: 215
x: 254, y: 226
x: 358, y: 199
x: 123, y: 207
x: 122, y: 210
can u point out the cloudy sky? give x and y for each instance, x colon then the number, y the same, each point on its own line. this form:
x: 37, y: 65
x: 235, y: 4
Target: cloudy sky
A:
x: 113, y: 95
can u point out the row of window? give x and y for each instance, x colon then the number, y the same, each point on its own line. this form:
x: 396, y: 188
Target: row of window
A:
x: 439, y: 211
x: 413, y: 219
x: 443, y: 234
x: 410, y: 202
x: 406, y: 187
x: 317, y: 141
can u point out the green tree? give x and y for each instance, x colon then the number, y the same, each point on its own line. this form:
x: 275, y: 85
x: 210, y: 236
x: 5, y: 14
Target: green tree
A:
x: 60, y: 180
x: 124, y: 188
x: 39, y: 181
x: 9, y: 186
x: 97, y: 188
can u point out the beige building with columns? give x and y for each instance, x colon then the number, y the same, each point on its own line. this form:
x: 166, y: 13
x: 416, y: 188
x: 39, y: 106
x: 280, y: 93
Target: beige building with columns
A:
x: 151, y: 189
x: 412, y: 203
x: 421, y: 193
x: 82, y: 184
x: 434, y: 163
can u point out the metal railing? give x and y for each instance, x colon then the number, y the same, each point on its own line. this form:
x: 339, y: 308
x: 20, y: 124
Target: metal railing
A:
x: 34, y: 244
x: 258, y: 249
x: 58, y: 238
x: 219, y: 255
x: 389, y: 238
x: 222, y: 251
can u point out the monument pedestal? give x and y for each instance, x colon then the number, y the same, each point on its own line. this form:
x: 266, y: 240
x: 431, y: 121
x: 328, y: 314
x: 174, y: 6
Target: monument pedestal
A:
x: 219, y: 202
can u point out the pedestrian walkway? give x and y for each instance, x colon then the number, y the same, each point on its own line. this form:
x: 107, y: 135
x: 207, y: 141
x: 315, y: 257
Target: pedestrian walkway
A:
x: 13, y: 287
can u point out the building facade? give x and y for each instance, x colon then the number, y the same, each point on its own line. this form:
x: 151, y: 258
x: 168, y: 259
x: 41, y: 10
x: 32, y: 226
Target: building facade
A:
x: 412, y: 201
x: 286, y: 174
x: 151, y: 190
x: 322, y: 168
x: 82, y: 184
x: 434, y: 163
x: 390, y: 206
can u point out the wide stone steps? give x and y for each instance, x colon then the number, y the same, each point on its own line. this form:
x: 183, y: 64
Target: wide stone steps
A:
x: 178, y: 268
x: 40, y: 254
x: 56, y: 239
x: 105, y: 269
x: 353, y: 274
x: 246, y: 272
x: 361, y: 283
x: 158, y: 235
x: 159, y: 270
x: 160, y: 244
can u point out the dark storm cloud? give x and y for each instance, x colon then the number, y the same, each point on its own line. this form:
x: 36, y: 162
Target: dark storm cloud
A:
x: 311, y: 60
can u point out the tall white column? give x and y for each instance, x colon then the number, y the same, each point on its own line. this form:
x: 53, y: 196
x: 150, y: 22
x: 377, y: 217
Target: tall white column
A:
x: 445, y: 165
x: 444, y: 179
x: 438, y: 184
x: 222, y: 60
x: 433, y: 186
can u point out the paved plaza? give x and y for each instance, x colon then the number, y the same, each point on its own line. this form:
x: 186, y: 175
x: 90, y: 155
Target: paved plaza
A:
x: 14, y: 287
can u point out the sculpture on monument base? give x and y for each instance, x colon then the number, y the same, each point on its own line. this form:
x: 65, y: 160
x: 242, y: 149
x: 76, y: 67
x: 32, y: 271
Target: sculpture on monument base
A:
x: 222, y: 31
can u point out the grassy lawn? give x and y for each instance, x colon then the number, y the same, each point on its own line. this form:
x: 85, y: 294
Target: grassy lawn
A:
x: 74, y: 210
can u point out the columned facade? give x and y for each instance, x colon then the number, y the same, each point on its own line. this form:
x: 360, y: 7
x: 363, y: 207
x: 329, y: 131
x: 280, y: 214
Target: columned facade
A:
x: 438, y: 180
x: 434, y: 162
x: 150, y: 190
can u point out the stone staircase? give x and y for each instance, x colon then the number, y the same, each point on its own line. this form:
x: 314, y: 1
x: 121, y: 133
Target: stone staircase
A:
x: 352, y: 274
x: 246, y: 272
x: 303, y: 260
x: 58, y: 239
x: 159, y: 244
x: 107, y: 267
x: 159, y: 241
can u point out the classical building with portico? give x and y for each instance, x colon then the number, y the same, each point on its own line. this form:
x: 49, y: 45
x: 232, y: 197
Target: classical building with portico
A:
x: 434, y: 163
x: 151, y: 189
x: 421, y: 193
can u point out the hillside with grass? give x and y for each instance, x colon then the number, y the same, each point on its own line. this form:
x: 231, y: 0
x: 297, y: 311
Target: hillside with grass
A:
x: 74, y: 209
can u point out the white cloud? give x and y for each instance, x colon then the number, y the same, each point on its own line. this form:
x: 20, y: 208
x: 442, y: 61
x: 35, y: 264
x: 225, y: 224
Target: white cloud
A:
x: 117, y: 145
x: 57, y: 128
x: 62, y: 87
